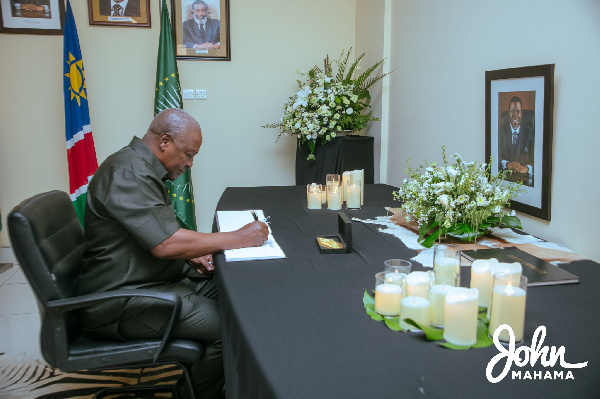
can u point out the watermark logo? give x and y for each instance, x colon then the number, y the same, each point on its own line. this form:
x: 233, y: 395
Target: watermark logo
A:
x: 548, y: 356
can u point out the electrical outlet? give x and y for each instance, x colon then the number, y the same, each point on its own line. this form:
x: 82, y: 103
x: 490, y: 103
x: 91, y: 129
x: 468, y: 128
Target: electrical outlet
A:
x: 200, y: 94
x: 188, y: 94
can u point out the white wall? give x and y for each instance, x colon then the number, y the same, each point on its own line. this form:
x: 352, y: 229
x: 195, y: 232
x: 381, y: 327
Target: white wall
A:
x: 440, y: 52
x: 270, y: 41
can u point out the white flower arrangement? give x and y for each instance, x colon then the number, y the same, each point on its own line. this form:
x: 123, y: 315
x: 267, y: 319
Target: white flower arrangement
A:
x: 462, y: 200
x: 326, y: 104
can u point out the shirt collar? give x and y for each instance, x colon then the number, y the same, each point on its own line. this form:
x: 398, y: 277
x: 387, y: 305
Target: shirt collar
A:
x: 515, y: 130
x: 147, y: 155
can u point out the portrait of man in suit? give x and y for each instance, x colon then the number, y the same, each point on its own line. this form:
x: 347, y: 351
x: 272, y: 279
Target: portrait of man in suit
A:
x: 201, y: 32
x: 120, y: 8
x: 516, y: 141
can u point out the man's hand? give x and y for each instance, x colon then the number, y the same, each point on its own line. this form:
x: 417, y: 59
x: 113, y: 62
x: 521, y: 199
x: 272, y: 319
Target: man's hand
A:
x: 203, y: 264
x: 253, y: 234
x: 517, y: 167
x: 203, y: 46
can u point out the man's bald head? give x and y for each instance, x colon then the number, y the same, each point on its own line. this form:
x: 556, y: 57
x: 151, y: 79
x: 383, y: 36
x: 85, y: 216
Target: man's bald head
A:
x: 175, y: 137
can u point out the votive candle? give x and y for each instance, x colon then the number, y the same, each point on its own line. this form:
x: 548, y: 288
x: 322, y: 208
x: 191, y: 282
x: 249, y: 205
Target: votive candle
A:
x: 387, y: 299
x: 416, y: 308
x: 460, y: 316
x: 508, y: 305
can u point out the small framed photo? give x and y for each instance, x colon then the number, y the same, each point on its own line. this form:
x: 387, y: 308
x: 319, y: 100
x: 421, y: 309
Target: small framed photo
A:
x: 32, y: 17
x: 201, y: 29
x: 130, y: 13
x: 519, y: 107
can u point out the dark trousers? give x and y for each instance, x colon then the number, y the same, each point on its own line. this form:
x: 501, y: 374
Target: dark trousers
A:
x: 199, y: 320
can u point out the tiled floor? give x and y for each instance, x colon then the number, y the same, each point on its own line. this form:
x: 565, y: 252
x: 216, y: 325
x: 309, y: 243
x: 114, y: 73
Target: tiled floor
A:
x: 19, y: 316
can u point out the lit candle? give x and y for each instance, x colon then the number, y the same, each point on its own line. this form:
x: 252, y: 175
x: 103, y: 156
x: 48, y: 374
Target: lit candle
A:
x: 460, y: 316
x: 387, y: 299
x: 514, y: 269
x: 313, y: 193
x: 481, y: 278
x: 445, y: 269
x: 345, y: 180
x: 416, y: 308
x: 508, y: 305
x: 395, y: 278
x: 437, y: 299
x: 359, y: 175
x: 353, y: 191
x: 334, y: 199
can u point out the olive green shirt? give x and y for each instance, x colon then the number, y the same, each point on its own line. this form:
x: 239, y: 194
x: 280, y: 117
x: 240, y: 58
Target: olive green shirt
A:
x: 128, y: 212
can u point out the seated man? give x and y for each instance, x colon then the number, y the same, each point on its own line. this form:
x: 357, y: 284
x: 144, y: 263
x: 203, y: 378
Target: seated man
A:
x: 133, y: 241
x: 201, y: 32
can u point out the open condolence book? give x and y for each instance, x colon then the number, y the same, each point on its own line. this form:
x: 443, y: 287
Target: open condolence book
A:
x: 537, y: 271
x: 233, y: 220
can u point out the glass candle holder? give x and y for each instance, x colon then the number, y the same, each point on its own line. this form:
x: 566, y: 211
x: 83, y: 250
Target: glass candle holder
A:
x: 387, y: 296
x: 460, y: 316
x: 437, y: 299
x: 334, y: 195
x: 313, y: 196
x: 514, y: 269
x: 353, y: 194
x: 509, y: 295
x: 399, y: 266
x: 481, y: 278
x: 446, y: 261
x: 415, y: 305
x: 323, y: 189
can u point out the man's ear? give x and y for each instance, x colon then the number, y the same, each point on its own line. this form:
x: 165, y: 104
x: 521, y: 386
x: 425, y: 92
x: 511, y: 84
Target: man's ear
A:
x: 164, y: 141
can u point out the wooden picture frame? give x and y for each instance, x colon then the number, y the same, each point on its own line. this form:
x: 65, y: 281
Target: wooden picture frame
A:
x: 193, y: 44
x: 522, y: 97
x: 136, y: 14
x: 32, y: 17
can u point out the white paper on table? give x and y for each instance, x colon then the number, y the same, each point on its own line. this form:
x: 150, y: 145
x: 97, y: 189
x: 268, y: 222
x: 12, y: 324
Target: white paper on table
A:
x: 233, y: 220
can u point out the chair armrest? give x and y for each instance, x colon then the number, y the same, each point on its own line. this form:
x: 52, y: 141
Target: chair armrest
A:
x: 63, y: 305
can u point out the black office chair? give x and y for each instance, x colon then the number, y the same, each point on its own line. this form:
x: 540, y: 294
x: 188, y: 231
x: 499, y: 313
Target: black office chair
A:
x: 47, y: 239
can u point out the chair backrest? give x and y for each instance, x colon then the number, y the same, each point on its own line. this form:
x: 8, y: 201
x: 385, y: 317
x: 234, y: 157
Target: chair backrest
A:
x: 47, y: 239
x: 48, y: 242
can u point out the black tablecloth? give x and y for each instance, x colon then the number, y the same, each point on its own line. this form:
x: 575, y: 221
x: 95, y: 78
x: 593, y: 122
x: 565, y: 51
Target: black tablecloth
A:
x: 297, y: 328
x: 339, y: 155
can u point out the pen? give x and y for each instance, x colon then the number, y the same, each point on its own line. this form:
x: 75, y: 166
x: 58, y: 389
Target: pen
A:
x: 255, y: 217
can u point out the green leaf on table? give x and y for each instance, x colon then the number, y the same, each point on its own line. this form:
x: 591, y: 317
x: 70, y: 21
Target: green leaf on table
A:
x: 369, y: 304
x: 432, y: 334
x: 453, y: 346
x: 511, y: 221
x: 483, y: 340
x: 393, y: 323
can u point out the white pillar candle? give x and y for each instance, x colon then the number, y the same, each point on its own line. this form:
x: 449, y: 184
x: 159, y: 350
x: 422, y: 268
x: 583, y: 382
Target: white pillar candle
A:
x: 481, y: 278
x: 445, y: 268
x: 354, y: 193
x: 416, y: 308
x: 508, y: 307
x: 460, y: 316
x: 334, y: 199
x: 417, y: 284
x: 437, y: 299
x: 387, y: 299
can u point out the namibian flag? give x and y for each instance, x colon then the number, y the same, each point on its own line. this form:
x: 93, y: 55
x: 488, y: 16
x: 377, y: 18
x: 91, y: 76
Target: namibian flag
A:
x: 81, y: 152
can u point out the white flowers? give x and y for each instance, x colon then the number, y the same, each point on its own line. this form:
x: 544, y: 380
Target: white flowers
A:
x: 455, y: 196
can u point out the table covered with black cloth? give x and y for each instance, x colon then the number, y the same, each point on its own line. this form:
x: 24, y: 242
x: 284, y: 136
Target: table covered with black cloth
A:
x: 341, y: 154
x: 297, y: 328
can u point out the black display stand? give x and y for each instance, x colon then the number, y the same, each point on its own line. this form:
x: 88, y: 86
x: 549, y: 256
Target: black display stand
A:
x: 339, y: 155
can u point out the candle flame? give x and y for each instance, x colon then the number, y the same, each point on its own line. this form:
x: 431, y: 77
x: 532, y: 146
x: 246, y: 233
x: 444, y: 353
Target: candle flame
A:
x: 509, y: 288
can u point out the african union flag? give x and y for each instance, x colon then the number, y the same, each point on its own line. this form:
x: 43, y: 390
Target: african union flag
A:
x: 168, y: 95
x: 81, y: 153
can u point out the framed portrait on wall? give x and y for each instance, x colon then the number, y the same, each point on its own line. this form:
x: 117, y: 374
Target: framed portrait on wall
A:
x: 33, y: 17
x: 201, y: 29
x: 519, y: 104
x: 130, y: 13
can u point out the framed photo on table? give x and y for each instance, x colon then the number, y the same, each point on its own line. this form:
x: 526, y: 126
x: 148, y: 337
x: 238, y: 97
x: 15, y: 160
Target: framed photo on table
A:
x: 201, y: 29
x: 32, y: 17
x: 519, y: 107
x: 130, y: 13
